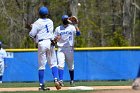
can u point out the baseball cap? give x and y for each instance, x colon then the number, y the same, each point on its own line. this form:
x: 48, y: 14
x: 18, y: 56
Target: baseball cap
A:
x: 64, y: 17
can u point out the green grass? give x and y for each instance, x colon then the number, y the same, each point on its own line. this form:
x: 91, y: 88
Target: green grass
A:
x: 50, y: 84
x: 78, y: 83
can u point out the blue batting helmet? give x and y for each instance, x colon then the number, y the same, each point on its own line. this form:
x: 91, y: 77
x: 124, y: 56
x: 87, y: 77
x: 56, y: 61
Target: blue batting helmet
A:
x: 43, y: 10
x: 64, y: 17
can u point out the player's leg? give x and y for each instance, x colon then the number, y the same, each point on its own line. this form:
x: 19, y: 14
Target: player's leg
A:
x: 136, y: 82
x: 53, y: 65
x: 53, y: 62
x: 70, y: 63
x: 1, y: 70
x: 41, y: 72
x: 61, y: 64
x: 0, y: 78
x: 42, y: 63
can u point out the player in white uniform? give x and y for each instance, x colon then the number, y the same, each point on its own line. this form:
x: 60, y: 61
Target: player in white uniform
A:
x: 66, y: 48
x: 2, y: 56
x: 42, y: 33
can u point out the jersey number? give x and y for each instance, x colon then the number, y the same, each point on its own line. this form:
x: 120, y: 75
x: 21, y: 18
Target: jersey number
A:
x: 47, y: 28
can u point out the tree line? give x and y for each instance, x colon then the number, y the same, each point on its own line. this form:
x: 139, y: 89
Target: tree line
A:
x: 102, y: 22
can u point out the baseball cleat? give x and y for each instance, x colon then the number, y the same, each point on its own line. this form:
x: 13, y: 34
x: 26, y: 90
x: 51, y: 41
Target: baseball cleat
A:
x: 61, y: 83
x: 57, y: 85
x: 42, y: 88
x: 72, y: 83
x: 136, y: 87
x: 136, y: 84
x: 0, y: 81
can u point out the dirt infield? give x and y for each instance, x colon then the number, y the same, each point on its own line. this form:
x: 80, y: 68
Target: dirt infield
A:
x: 117, y: 91
x: 100, y: 89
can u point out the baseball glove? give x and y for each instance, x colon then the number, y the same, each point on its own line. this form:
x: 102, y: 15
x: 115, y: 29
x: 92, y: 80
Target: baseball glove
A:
x: 53, y: 42
x: 28, y: 26
x: 73, y: 20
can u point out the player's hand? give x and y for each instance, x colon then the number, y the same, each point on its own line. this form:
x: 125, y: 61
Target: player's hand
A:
x: 53, y: 42
x: 56, y: 39
x: 28, y: 26
x: 36, y: 45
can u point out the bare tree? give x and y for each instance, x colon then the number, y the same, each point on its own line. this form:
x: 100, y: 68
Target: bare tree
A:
x: 127, y: 20
x: 73, y: 7
x: 99, y: 7
x: 113, y: 15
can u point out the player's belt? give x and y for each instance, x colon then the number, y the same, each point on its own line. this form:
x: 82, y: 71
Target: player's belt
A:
x: 40, y: 40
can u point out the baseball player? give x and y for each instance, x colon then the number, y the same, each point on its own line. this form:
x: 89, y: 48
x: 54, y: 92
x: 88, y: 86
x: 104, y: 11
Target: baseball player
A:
x: 2, y: 56
x: 42, y: 33
x: 136, y: 82
x: 65, y: 45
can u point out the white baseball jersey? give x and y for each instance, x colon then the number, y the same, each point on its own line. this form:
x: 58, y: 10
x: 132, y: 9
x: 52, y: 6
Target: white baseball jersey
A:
x: 67, y: 35
x: 42, y: 32
x: 42, y: 29
x: 2, y: 56
x: 65, y: 46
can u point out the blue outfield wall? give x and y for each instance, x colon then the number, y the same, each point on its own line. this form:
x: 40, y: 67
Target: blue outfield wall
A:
x: 90, y: 64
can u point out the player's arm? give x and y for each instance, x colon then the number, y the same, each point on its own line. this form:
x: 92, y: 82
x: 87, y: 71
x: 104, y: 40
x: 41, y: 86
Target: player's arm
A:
x: 51, y: 27
x: 33, y: 31
x: 74, y: 21
x: 4, y: 54
x: 78, y: 33
x: 57, y: 35
x: 28, y: 26
x: 56, y: 38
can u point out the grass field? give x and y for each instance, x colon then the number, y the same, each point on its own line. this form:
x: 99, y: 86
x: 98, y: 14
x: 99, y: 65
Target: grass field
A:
x: 51, y: 84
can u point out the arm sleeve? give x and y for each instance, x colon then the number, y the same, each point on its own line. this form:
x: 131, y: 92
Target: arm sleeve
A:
x: 56, y: 32
x: 4, y: 54
x: 51, y: 29
x: 78, y: 33
x: 33, y: 31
